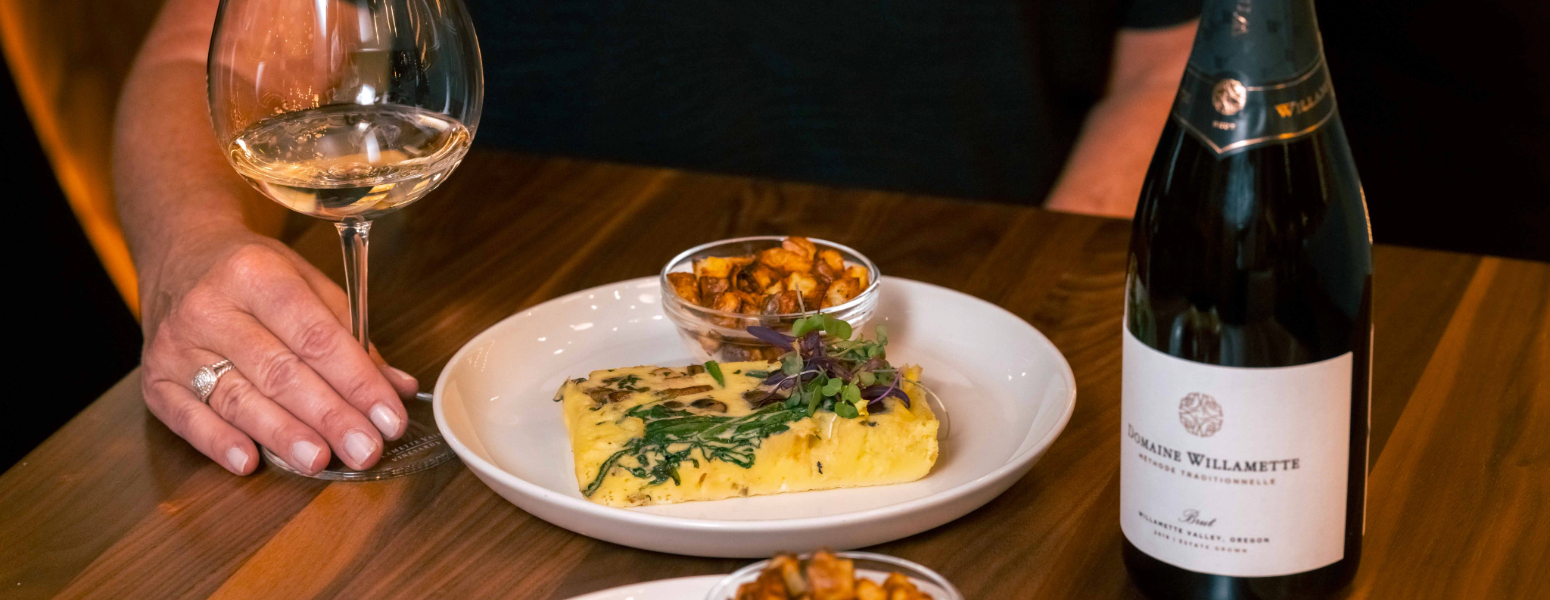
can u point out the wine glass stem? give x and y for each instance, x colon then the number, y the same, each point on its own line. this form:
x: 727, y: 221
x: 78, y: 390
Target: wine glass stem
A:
x: 353, y: 235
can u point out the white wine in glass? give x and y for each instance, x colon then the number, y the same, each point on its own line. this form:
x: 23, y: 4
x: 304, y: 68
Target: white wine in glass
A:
x: 347, y: 110
x: 348, y: 161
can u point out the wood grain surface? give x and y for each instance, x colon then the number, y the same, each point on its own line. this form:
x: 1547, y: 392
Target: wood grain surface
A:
x: 114, y: 505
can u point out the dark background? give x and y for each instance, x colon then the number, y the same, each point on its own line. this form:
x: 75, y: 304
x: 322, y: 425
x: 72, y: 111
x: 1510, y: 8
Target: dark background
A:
x: 1447, y: 106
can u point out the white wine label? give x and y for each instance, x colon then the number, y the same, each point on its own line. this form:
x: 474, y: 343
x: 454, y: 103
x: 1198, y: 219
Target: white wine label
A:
x: 1234, y: 471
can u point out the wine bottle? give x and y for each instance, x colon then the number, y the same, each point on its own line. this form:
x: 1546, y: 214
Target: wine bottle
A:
x: 1247, y: 326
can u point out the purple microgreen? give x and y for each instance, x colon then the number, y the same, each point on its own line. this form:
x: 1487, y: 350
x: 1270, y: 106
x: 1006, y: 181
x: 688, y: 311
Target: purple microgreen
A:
x: 812, y: 344
x: 772, y: 337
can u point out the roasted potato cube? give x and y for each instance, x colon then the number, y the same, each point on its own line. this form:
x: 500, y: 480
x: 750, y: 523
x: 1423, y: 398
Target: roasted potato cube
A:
x: 900, y: 587
x: 831, y: 577
x: 860, y: 273
x: 775, y: 288
x: 747, y: 286
x: 783, y: 303
x: 685, y: 286
x: 867, y: 589
x: 712, y: 266
x: 840, y: 292
x: 710, y: 287
x: 750, y: 302
x: 763, y: 275
x: 807, y: 286
x: 745, y: 279
x: 786, y: 261
x: 800, y: 245
x: 769, y: 586
x: 790, y: 570
x: 726, y: 301
x: 829, y: 264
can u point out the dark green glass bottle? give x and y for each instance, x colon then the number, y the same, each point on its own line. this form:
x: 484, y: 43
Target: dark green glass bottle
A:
x: 1247, y: 327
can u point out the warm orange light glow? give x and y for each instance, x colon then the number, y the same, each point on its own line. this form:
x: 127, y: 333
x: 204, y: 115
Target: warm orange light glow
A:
x: 68, y: 75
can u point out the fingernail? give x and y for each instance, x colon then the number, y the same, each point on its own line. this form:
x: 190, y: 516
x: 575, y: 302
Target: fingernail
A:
x: 304, y: 453
x: 404, y: 379
x: 385, y: 420
x: 237, y: 459
x: 359, y: 446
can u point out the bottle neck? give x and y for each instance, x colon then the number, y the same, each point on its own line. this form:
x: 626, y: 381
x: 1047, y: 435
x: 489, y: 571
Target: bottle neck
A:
x: 1256, y: 76
x: 1257, y: 42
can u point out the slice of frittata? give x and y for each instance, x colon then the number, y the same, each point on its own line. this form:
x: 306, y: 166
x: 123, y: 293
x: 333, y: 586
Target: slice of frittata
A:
x: 653, y: 435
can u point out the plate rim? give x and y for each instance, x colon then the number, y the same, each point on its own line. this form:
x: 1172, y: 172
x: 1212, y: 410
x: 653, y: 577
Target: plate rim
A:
x: 709, y: 580
x: 1020, y: 460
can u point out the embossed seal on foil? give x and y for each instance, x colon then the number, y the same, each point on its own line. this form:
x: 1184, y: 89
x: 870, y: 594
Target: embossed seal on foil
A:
x: 1228, y: 96
x: 1200, y: 414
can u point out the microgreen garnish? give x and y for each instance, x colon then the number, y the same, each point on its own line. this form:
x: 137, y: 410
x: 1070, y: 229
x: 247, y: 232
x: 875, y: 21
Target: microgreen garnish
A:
x: 824, y: 369
x: 791, y: 364
x: 714, y: 368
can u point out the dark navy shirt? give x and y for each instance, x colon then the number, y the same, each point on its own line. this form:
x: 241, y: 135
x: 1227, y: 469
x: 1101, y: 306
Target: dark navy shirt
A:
x: 969, y: 98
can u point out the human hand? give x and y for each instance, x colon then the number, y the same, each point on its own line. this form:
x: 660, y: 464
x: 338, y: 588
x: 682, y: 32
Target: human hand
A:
x: 300, y: 383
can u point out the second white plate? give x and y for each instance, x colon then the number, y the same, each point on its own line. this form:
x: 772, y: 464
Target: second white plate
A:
x: 1008, y: 390
x: 682, y: 588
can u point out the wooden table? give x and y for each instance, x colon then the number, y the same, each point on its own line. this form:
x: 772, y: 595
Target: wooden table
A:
x: 115, y: 506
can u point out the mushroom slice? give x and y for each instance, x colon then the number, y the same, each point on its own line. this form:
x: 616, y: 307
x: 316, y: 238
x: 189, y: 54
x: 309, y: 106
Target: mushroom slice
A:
x: 685, y: 391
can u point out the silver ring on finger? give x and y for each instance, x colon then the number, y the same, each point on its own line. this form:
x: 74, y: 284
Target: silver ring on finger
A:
x: 206, y: 378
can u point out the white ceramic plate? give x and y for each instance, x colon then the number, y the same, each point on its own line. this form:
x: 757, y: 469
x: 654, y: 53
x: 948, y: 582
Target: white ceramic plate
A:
x: 1008, y: 391
x: 682, y: 588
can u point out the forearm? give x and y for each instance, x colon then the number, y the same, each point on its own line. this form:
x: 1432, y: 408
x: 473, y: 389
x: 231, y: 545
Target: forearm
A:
x: 173, y: 184
x: 1104, y: 172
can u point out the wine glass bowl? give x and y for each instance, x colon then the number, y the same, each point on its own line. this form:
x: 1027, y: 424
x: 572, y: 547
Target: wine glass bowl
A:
x: 344, y: 110
x: 347, y: 110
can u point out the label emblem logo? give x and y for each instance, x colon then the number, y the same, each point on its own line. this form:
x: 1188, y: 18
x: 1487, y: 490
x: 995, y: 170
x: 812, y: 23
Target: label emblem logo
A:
x: 1200, y: 414
x: 1228, y: 96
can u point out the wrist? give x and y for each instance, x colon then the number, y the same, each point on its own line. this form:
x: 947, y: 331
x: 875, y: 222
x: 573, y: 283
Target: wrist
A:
x: 169, y: 263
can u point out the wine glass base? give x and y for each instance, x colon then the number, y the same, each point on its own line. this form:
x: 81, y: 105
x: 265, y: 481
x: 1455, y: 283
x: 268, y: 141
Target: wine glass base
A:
x: 420, y: 448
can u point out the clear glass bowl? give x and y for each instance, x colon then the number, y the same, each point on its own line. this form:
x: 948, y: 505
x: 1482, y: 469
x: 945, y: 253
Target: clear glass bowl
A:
x: 711, y: 334
x: 869, y: 565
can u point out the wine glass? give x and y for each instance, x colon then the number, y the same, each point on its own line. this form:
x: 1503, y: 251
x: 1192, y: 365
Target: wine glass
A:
x: 347, y: 110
